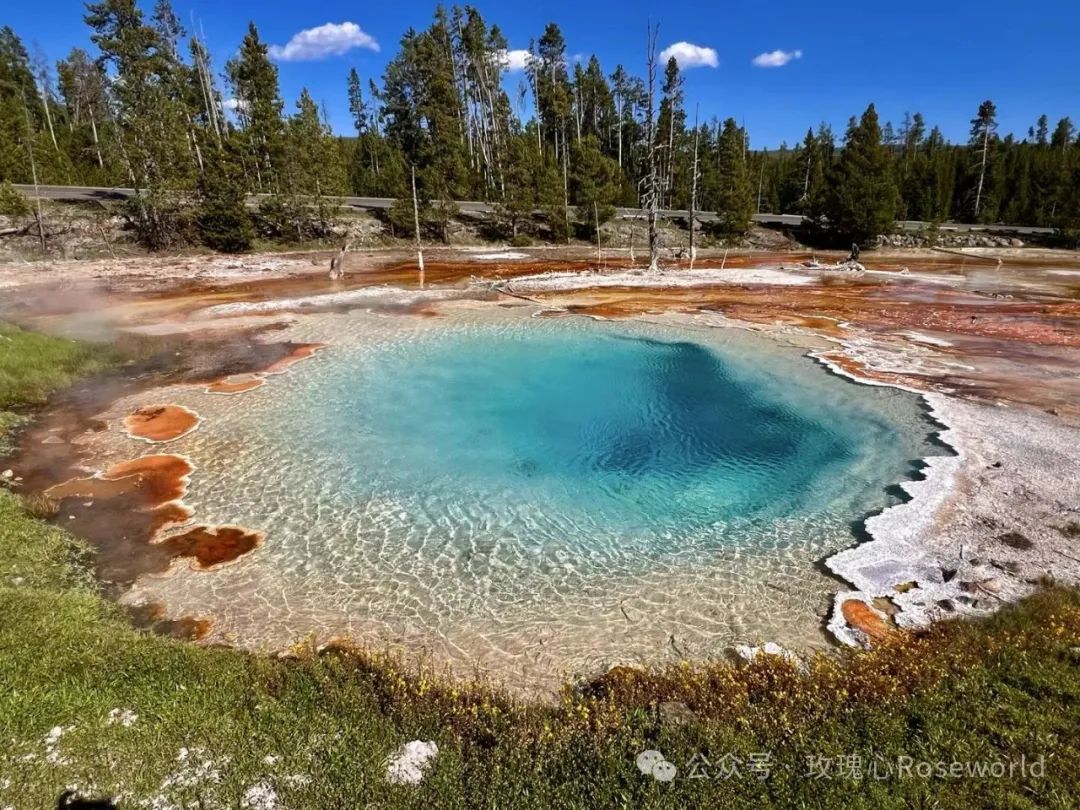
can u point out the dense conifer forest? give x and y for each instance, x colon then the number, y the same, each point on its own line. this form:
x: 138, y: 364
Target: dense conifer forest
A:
x: 142, y: 106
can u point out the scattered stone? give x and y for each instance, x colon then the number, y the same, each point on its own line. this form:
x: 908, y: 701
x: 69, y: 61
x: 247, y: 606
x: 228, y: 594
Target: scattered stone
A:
x: 885, y: 605
x: 408, y: 764
x: 1009, y: 566
x: 1071, y: 529
x: 259, y: 797
x: 675, y: 713
x: 1016, y: 540
x: 749, y: 653
x: 990, y: 586
x: 904, y: 587
x: 123, y: 717
x: 52, y: 742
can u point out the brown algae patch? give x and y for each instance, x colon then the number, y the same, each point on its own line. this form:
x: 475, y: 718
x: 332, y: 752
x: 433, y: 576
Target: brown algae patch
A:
x: 212, y: 546
x: 301, y: 351
x: 153, y: 616
x: 235, y: 384
x: 161, y: 423
x: 154, y: 481
x: 861, y: 616
x: 241, y: 383
x: 122, y: 508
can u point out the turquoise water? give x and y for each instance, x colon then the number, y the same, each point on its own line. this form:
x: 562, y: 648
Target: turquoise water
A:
x: 535, y: 496
x: 650, y: 437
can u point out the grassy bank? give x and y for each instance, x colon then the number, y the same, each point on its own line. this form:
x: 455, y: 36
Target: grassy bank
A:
x: 221, y: 728
x: 32, y: 366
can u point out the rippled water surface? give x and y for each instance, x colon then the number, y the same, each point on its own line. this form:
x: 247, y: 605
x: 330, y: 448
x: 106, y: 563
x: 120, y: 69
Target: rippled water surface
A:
x: 536, y: 496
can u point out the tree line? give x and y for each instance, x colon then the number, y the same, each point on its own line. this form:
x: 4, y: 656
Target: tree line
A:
x: 145, y: 109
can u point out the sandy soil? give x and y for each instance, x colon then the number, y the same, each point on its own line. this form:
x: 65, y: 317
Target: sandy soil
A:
x: 990, y: 337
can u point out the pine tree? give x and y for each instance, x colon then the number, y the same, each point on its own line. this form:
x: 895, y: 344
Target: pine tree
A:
x: 594, y: 182
x: 421, y: 109
x: 628, y: 95
x: 254, y: 81
x: 149, y: 120
x: 91, y: 137
x: 671, y: 125
x: 551, y: 87
x: 735, y: 197
x: 983, y: 127
x: 13, y: 203
x: 1042, y: 129
x: 18, y: 116
x: 803, y: 189
x: 914, y: 179
x: 223, y: 220
x: 313, y: 174
x: 862, y: 196
x: 523, y: 166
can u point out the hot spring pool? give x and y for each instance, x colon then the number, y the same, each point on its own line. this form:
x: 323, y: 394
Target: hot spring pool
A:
x: 538, y: 496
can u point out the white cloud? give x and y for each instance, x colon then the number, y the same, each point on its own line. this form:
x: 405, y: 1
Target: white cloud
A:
x: 775, y: 58
x: 233, y: 104
x: 514, y: 60
x: 332, y: 39
x: 689, y: 55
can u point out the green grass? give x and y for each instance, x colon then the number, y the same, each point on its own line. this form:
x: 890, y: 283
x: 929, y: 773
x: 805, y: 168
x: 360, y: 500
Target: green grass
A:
x: 33, y: 365
x: 317, y: 729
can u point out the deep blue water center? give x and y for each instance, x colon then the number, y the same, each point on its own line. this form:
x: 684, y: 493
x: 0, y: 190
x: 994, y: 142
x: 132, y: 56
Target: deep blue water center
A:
x: 600, y: 425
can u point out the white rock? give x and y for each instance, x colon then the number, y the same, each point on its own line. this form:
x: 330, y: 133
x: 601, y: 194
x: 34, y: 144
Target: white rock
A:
x: 260, y: 797
x: 125, y: 717
x: 748, y: 653
x: 408, y: 764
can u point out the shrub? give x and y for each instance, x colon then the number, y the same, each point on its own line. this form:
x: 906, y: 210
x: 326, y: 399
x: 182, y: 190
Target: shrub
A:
x: 223, y: 220
x: 13, y: 203
x: 521, y: 240
x: 159, y: 219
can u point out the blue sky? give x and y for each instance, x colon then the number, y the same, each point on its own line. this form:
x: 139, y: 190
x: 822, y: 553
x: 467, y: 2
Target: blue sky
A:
x: 941, y: 58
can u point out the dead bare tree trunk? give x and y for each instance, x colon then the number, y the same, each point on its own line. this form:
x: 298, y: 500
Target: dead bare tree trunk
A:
x: 337, y: 263
x: 806, y: 180
x: 651, y: 190
x: 108, y: 243
x: 760, y: 181
x: 33, y: 174
x: 40, y: 67
x: 48, y: 120
x: 596, y: 218
x: 693, y: 189
x: 416, y: 221
x: 621, y: 103
x: 982, y: 170
x: 566, y: 195
x: 97, y: 145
